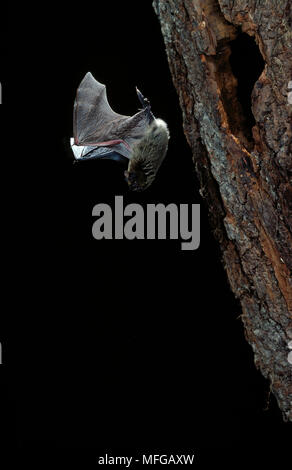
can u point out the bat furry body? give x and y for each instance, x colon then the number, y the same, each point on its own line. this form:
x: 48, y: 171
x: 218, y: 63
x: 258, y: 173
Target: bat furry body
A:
x: 147, y: 156
x: 99, y: 132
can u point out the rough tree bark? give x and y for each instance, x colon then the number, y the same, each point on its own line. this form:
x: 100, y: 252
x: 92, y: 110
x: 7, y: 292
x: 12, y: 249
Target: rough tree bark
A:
x: 244, y: 177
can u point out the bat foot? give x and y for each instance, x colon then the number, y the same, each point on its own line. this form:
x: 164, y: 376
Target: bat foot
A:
x: 144, y: 101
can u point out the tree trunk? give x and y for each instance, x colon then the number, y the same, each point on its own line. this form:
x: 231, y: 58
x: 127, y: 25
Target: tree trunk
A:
x: 241, y: 144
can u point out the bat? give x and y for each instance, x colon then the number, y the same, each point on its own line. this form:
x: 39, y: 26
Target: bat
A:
x: 139, y: 142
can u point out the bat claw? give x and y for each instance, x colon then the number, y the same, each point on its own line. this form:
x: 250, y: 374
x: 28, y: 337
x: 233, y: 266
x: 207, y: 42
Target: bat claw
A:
x: 144, y: 101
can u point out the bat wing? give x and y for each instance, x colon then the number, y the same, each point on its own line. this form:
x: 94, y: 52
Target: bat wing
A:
x: 95, y: 123
x: 116, y: 152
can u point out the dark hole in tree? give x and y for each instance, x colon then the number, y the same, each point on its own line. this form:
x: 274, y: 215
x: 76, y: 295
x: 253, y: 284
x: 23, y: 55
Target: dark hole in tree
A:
x: 247, y: 65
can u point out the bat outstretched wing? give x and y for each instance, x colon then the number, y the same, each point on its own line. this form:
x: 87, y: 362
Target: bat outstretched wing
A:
x: 95, y: 123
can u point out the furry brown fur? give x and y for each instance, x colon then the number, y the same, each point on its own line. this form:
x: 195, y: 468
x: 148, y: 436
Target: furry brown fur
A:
x: 147, y: 156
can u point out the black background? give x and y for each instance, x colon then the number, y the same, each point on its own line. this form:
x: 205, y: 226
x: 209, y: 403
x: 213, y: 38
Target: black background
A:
x: 111, y: 346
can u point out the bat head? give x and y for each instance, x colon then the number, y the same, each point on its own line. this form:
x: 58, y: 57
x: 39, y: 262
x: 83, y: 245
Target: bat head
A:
x: 136, y: 178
